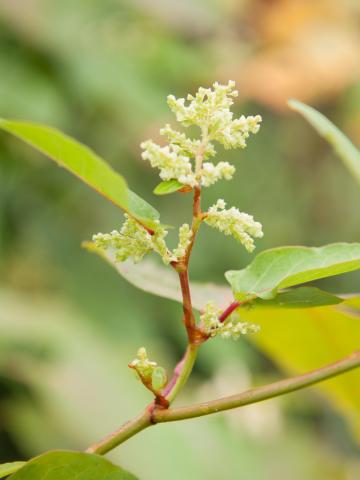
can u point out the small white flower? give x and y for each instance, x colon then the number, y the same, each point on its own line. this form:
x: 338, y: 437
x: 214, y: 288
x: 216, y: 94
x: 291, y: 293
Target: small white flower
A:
x: 220, y: 204
x: 233, y: 222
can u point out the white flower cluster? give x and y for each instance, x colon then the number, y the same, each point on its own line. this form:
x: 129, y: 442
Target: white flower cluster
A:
x: 133, y: 241
x: 209, y: 109
x: 211, y: 173
x: 233, y: 222
x: 171, y: 162
x: 232, y: 327
x: 188, y: 146
x: 185, y: 236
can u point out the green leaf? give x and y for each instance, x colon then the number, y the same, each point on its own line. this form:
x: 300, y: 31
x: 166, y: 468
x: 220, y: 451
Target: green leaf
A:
x: 340, y: 142
x: 285, y: 267
x: 169, y: 186
x: 63, y: 465
x: 158, y: 378
x: 302, y: 297
x: 9, y: 468
x: 85, y: 164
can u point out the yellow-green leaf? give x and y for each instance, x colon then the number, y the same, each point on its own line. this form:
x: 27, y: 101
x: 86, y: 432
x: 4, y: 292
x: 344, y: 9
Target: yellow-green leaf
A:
x: 158, y: 378
x: 85, y: 164
x: 9, y: 468
x: 340, y: 142
x: 168, y: 186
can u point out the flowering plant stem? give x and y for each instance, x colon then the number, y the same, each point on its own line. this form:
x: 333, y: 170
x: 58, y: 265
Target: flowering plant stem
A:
x: 153, y: 414
x: 160, y: 412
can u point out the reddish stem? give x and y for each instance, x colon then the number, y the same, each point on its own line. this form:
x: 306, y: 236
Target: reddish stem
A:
x: 229, y: 310
x: 188, y: 317
x: 174, y: 378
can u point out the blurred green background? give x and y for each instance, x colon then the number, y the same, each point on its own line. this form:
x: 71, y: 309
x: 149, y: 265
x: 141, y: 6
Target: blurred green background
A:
x: 101, y: 71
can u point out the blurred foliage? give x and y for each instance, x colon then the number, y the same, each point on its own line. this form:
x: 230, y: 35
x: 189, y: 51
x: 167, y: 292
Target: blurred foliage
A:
x: 69, y: 324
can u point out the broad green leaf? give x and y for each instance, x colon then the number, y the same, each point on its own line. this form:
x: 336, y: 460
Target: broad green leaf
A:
x: 340, y: 142
x: 302, y: 297
x: 302, y: 340
x: 9, y: 468
x: 169, y: 186
x: 158, y: 280
x: 85, y: 164
x: 285, y: 267
x: 62, y: 465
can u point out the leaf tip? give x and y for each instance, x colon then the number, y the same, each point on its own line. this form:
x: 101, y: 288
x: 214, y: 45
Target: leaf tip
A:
x: 294, y: 104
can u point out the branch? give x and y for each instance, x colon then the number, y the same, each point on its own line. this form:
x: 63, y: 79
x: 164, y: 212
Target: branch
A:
x: 127, y: 430
x: 229, y: 310
x: 259, y: 394
x: 233, y: 306
x: 153, y: 414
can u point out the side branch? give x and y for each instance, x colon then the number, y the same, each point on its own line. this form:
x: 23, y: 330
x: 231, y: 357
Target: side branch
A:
x: 181, y: 373
x: 229, y: 310
x: 127, y: 430
x: 232, y: 307
x: 260, y: 393
x: 153, y: 415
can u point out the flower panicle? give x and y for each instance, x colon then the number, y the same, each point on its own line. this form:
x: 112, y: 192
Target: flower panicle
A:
x: 187, y: 160
x: 241, y: 226
x: 134, y: 241
x: 208, y: 109
x: 232, y: 327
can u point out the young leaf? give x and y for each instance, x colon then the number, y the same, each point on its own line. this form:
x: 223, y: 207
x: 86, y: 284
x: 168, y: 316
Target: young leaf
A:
x: 340, y: 142
x: 63, y: 465
x: 85, y: 164
x: 285, y: 267
x: 158, y: 378
x: 169, y: 186
x: 9, y: 468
